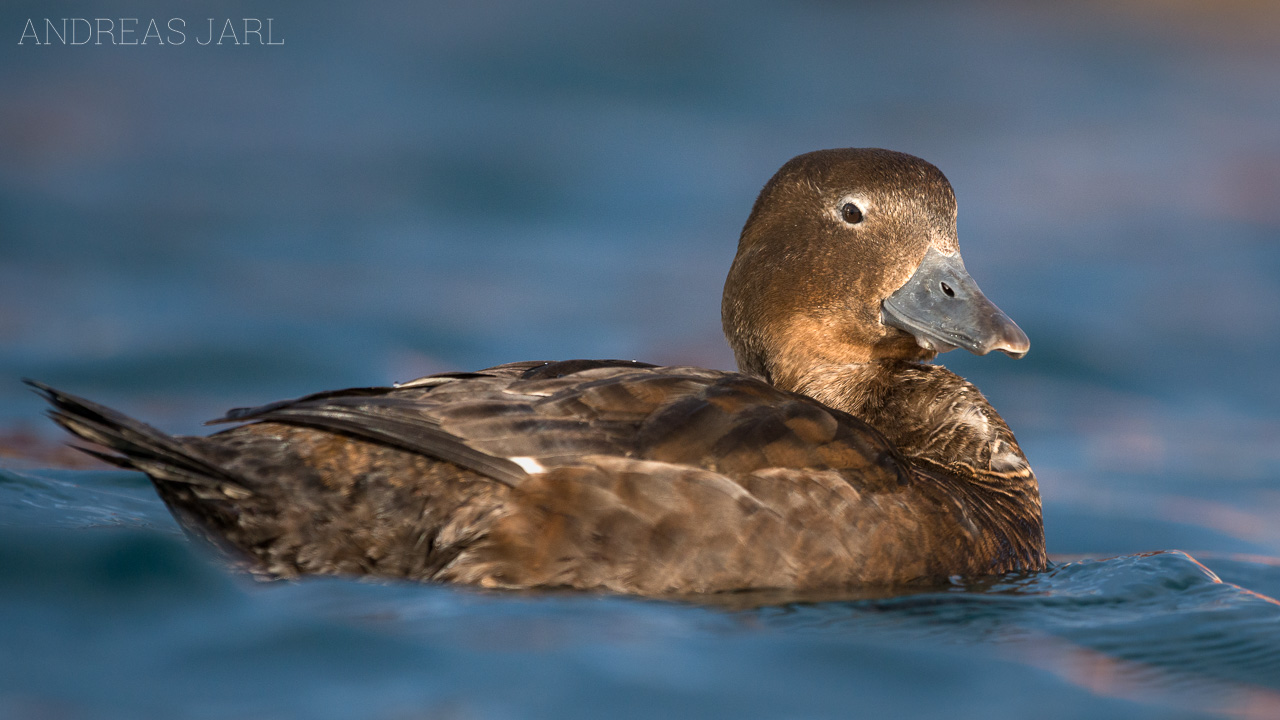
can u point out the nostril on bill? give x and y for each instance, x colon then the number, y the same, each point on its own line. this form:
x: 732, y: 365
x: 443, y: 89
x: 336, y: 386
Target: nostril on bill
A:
x: 947, y: 289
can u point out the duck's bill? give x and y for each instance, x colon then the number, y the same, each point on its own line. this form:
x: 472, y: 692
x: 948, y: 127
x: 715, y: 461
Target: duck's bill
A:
x: 943, y: 309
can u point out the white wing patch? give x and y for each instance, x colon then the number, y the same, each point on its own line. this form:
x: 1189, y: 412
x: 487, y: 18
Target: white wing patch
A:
x: 530, y: 465
x: 428, y: 381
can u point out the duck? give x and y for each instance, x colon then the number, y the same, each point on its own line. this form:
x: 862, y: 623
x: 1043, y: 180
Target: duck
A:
x: 836, y: 456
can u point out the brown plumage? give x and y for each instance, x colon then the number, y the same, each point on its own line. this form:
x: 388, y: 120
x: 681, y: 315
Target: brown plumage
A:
x: 834, y: 459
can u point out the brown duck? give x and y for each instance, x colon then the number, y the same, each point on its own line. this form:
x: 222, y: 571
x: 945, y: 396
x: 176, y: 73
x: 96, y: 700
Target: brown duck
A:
x: 834, y: 458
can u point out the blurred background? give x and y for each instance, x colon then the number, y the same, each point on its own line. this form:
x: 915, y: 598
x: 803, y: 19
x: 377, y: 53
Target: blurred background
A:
x: 403, y: 188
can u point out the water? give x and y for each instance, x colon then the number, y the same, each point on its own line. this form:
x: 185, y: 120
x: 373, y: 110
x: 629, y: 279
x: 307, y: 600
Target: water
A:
x: 403, y: 189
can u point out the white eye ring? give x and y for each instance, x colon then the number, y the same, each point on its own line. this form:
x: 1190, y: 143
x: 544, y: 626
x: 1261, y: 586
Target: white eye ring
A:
x: 850, y: 210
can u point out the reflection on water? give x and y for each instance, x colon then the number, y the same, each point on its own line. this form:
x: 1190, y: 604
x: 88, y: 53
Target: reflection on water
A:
x: 404, y: 188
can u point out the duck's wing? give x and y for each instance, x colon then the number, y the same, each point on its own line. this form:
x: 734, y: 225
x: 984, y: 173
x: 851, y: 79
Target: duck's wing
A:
x: 486, y: 421
x: 513, y: 421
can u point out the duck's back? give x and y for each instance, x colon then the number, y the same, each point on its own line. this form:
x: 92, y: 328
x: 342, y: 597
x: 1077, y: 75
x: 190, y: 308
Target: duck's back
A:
x: 586, y: 474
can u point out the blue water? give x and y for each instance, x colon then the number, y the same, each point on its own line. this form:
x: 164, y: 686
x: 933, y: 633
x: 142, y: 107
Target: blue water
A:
x: 404, y: 188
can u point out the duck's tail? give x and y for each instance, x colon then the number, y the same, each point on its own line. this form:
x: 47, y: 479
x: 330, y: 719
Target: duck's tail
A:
x: 139, y: 446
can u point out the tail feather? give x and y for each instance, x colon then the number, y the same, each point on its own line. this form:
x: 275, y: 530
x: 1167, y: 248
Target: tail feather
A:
x: 140, y: 446
x: 117, y: 460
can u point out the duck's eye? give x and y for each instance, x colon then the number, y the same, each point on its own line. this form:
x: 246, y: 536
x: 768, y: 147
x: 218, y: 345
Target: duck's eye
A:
x: 851, y: 213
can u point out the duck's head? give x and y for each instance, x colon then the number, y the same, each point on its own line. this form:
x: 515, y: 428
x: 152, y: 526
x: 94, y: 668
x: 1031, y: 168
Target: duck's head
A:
x: 850, y: 256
